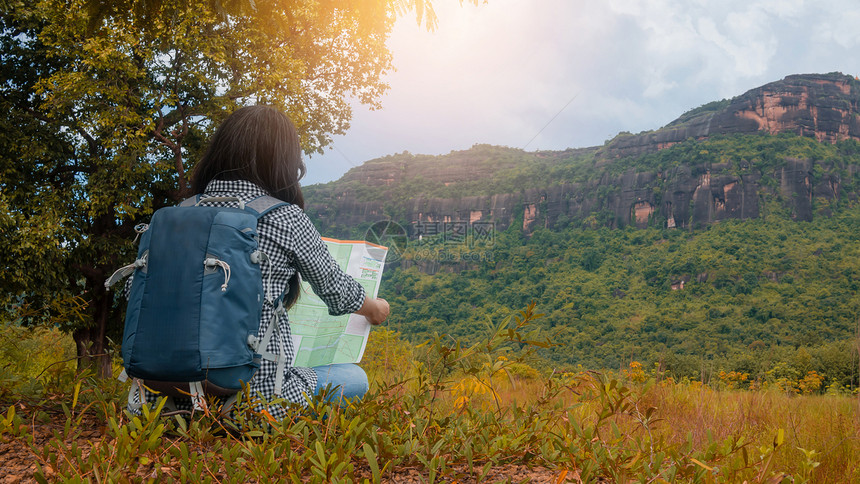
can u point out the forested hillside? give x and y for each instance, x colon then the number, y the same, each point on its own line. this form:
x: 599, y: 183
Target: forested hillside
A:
x: 751, y: 296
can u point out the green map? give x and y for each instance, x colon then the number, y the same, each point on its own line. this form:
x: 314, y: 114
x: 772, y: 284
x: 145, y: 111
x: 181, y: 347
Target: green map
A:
x: 321, y: 339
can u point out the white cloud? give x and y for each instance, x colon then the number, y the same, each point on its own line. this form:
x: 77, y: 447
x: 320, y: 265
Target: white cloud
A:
x: 498, y: 73
x: 785, y: 9
x: 840, y: 25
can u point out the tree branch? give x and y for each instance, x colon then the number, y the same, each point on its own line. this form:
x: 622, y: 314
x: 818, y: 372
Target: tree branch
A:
x: 177, y: 153
x: 92, y: 143
x: 70, y: 169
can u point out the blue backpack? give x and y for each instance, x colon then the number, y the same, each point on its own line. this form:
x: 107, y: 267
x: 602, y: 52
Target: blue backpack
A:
x: 194, y: 307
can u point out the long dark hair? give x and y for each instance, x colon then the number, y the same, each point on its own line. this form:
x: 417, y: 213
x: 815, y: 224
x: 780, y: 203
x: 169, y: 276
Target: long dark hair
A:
x: 258, y: 144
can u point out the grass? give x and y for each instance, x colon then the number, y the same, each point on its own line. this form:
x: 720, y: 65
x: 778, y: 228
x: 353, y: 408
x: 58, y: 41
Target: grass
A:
x: 824, y: 424
x: 443, y: 412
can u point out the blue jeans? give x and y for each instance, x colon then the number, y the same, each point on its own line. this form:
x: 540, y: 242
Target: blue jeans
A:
x: 347, y: 381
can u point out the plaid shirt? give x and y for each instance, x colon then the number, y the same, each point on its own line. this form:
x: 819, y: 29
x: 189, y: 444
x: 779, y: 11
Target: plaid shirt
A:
x: 292, y: 243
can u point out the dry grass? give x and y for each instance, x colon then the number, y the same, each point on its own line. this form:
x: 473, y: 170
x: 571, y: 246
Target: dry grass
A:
x: 488, y: 413
x: 720, y: 424
x: 826, y: 424
x: 816, y: 428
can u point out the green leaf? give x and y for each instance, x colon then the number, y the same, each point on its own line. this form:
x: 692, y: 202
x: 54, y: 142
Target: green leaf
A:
x: 370, y: 455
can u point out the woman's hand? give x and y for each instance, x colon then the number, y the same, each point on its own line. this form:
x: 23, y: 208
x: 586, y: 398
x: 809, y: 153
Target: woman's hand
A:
x: 375, y: 310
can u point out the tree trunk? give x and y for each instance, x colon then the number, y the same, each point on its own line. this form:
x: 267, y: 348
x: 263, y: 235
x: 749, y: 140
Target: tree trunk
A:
x: 91, y: 352
x: 91, y: 342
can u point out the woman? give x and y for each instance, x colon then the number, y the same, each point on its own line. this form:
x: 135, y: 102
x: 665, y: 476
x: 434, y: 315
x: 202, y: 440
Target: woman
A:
x: 255, y: 152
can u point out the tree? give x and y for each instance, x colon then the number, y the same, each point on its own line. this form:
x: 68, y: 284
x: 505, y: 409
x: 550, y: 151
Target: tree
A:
x: 105, y: 105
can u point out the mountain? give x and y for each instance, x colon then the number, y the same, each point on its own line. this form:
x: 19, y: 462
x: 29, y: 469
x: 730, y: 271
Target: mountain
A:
x: 821, y: 106
x: 793, y: 141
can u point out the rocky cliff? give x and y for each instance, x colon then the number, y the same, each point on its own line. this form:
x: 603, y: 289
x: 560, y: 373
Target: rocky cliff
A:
x: 633, y: 179
x: 823, y: 106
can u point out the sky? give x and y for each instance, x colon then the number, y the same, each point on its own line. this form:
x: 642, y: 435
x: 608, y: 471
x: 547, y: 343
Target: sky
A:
x: 557, y: 74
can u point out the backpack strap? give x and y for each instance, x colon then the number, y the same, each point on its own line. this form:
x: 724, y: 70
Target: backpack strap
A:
x: 259, y: 206
x: 126, y: 271
x: 263, y: 205
x: 190, y: 201
x: 262, y: 345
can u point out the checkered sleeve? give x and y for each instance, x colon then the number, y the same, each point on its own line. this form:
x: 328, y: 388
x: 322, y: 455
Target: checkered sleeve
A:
x: 340, y: 292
